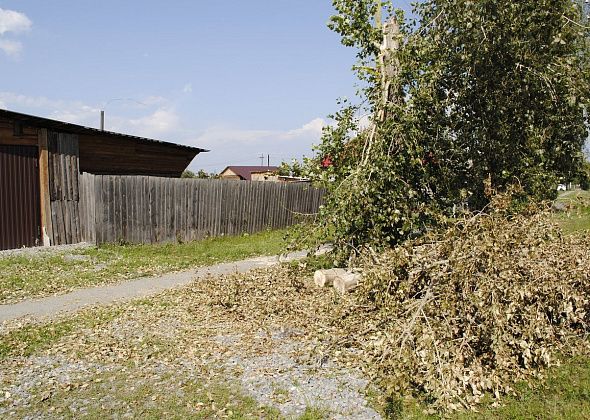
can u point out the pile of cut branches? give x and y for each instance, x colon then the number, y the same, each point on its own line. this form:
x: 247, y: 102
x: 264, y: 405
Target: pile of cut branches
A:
x: 493, y: 300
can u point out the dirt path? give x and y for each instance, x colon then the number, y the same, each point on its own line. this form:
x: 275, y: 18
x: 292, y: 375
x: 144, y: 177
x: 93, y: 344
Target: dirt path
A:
x: 76, y: 300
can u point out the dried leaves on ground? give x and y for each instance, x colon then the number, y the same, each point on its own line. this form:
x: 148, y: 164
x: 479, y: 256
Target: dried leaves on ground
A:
x: 492, y: 301
x: 450, y: 317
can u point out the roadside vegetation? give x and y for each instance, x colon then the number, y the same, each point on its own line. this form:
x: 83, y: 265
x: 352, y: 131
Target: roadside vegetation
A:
x: 474, y: 300
x: 575, y: 215
x: 31, y: 274
x: 208, y: 349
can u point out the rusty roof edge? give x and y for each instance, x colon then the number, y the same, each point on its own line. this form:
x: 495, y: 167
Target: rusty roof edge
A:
x: 35, y: 120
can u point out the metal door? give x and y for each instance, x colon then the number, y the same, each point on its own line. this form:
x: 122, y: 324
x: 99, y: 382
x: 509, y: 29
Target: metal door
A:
x: 20, y: 203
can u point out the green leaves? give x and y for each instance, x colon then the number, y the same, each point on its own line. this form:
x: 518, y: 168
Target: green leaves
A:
x: 485, y: 94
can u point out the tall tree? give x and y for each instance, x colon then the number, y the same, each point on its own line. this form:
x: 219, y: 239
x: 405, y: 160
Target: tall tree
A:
x: 501, y: 93
x: 472, y: 97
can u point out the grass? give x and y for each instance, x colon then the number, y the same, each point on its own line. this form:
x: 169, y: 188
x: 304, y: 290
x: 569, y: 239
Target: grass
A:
x: 576, y: 218
x: 27, y: 276
x: 126, y: 393
x: 565, y: 394
x: 121, y: 394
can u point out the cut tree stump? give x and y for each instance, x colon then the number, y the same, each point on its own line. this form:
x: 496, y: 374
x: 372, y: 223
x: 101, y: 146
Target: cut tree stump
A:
x: 324, y: 278
x: 347, y: 282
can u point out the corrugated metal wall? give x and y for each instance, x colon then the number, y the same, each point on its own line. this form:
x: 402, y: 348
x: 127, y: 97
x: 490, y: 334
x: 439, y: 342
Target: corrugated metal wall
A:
x: 20, y: 209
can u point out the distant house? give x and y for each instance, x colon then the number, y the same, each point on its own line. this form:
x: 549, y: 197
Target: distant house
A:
x: 40, y: 165
x: 250, y: 173
x: 293, y: 179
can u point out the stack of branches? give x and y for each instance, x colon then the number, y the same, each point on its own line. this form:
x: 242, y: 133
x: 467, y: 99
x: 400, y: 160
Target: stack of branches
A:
x: 494, y: 300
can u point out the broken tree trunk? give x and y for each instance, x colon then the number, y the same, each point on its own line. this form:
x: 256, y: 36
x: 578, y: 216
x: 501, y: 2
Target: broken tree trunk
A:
x: 347, y: 282
x: 324, y: 278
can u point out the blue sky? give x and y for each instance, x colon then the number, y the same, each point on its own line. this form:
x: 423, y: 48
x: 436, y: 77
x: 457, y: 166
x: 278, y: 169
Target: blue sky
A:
x: 238, y: 77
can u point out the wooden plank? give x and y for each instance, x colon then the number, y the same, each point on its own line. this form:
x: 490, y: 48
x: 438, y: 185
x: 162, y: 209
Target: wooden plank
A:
x: 199, y: 208
x: 190, y: 210
x: 61, y: 223
x: 84, y: 207
x: 77, y: 236
x: 63, y: 179
x: 225, y: 209
x: 65, y: 156
x: 124, y: 218
x: 44, y: 177
x: 171, y: 203
x: 154, y: 210
x: 110, y: 201
x: 55, y: 233
x: 52, y: 150
x: 136, y: 228
x: 98, y: 210
x: 76, y: 168
x: 72, y: 207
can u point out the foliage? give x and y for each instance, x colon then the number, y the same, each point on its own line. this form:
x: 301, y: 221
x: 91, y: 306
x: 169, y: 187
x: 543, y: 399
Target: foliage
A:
x: 503, y: 94
x: 295, y: 168
x: 470, y: 311
x: 584, y: 177
x: 477, y: 97
x: 199, y: 175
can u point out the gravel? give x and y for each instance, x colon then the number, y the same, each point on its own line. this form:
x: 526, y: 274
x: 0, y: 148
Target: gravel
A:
x: 283, y: 378
x: 46, y: 250
x: 291, y: 383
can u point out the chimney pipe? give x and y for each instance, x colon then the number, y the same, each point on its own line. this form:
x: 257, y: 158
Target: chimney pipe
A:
x: 101, y: 120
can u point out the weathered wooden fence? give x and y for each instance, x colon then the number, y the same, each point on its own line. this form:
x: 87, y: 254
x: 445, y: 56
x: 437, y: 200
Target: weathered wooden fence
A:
x: 141, y: 209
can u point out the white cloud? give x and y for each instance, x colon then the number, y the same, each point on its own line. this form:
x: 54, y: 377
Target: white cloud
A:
x: 11, y: 48
x: 15, y: 22
x: 15, y: 99
x: 312, y: 128
x: 231, y: 146
x: 157, y: 118
x: 219, y: 135
x: 12, y: 22
x: 160, y: 123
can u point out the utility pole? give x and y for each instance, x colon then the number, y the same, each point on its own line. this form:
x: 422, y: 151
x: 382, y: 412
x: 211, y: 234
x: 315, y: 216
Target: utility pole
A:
x: 261, y: 159
x: 268, y: 161
x: 101, y: 120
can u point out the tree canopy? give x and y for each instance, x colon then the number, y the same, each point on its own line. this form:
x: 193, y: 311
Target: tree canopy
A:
x: 468, y: 99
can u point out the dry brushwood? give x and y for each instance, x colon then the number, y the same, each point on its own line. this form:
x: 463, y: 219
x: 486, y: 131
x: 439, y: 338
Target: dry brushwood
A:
x: 450, y: 317
x: 492, y: 301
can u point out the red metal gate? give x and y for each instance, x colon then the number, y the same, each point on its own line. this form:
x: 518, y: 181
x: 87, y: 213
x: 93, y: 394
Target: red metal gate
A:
x: 20, y: 206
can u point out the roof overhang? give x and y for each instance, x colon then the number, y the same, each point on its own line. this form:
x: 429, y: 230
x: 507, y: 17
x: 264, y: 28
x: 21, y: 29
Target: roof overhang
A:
x: 41, y: 122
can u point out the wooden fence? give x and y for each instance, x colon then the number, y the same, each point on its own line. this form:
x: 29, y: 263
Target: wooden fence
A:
x: 141, y: 209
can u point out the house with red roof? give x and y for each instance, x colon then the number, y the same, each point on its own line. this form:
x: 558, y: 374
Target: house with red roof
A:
x: 250, y: 173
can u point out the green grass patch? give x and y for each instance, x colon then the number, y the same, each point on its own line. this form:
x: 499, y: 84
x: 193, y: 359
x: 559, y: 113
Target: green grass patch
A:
x: 576, y: 216
x: 565, y: 394
x: 27, y: 276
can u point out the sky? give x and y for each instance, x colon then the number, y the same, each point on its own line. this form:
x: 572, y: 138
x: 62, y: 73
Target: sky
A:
x: 240, y: 78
